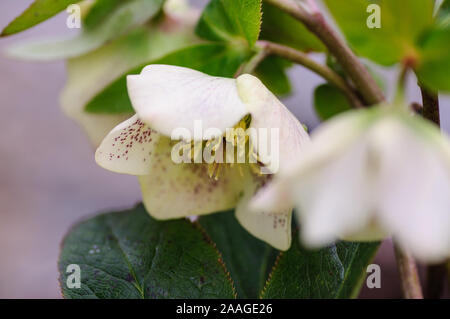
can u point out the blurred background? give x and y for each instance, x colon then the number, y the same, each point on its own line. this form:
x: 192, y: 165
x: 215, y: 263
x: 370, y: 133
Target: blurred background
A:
x: 49, y: 179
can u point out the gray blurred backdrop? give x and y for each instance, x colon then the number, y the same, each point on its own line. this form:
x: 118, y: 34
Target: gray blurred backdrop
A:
x: 48, y: 177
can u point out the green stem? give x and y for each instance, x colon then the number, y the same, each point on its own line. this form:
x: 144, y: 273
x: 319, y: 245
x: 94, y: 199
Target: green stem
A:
x: 251, y: 65
x: 317, y: 24
x: 408, y: 273
x: 303, y: 59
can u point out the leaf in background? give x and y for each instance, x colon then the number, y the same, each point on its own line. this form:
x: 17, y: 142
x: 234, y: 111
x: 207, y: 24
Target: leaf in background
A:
x: 334, y: 272
x: 212, y: 58
x: 231, y: 21
x: 99, y: 11
x: 443, y: 15
x: 278, y: 26
x: 130, y: 14
x: 130, y: 255
x: 329, y: 101
x: 401, y: 25
x: 248, y: 259
x: 37, y: 12
x: 89, y: 74
x: 272, y: 72
x: 434, y: 69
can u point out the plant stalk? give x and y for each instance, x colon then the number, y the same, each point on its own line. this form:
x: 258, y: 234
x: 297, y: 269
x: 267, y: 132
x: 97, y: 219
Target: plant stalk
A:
x: 317, y: 24
x: 303, y: 59
x: 408, y: 273
x: 430, y: 102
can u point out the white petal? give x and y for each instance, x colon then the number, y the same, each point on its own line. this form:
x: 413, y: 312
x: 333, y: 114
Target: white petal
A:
x: 335, y: 200
x: 327, y: 184
x: 129, y: 148
x: 178, y: 190
x: 273, y: 227
x: 414, y: 191
x: 275, y: 127
x: 168, y: 97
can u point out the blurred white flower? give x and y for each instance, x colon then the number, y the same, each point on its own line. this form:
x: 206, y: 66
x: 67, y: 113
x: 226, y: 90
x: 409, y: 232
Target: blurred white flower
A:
x: 90, y: 73
x: 167, y: 98
x: 368, y: 174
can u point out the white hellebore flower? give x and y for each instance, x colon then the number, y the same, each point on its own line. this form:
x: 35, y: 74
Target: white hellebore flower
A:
x: 167, y: 98
x: 368, y: 174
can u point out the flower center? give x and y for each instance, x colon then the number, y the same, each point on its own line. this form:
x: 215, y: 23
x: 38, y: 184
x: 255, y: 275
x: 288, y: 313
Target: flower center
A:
x: 232, y: 149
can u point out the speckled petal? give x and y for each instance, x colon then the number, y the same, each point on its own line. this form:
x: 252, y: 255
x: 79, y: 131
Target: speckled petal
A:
x: 273, y: 227
x: 178, y: 190
x: 168, y: 97
x: 128, y: 148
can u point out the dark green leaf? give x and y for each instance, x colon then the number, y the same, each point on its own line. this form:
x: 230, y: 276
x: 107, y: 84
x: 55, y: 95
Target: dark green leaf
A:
x: 130, y: 255
x: 211, y: 58
x: 37, y: 12
x: 130, y: 14
x: 272, y: 72
x: 401, y: 25
x: 329, y: 101
x: 434, y: 69
x: 231, y: 21
x: 278, y: 26
x: 248, y: 259
x: 334, y: 272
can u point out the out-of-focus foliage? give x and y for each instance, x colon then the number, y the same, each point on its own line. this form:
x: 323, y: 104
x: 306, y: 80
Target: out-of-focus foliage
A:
x: 401, y: 25
x: 280, y: 27
x: 123, y: 18
x: 272, y: 72
x: 329, y: 101
x: 37, y: 12
x: 408, y: 34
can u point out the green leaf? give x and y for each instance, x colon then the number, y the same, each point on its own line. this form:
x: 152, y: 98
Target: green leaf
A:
x: 443, y: 15
x: 130, y: 255
x: 434, y: 69
x: 401, y: 25
x: 278, y: 26
x: 272, y: 72
x: 330, y: 101
x: 248, y: 259
x: 334, y: 272
x: 212, y: 58
x: 231, y: 21
x: 130, y: 14
x: 37, y: 12
x: 99, y: 11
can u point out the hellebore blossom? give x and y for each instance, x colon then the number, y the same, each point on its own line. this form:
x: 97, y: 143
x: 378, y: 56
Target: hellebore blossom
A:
x: 169, y: 101
x: 368, y: 174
